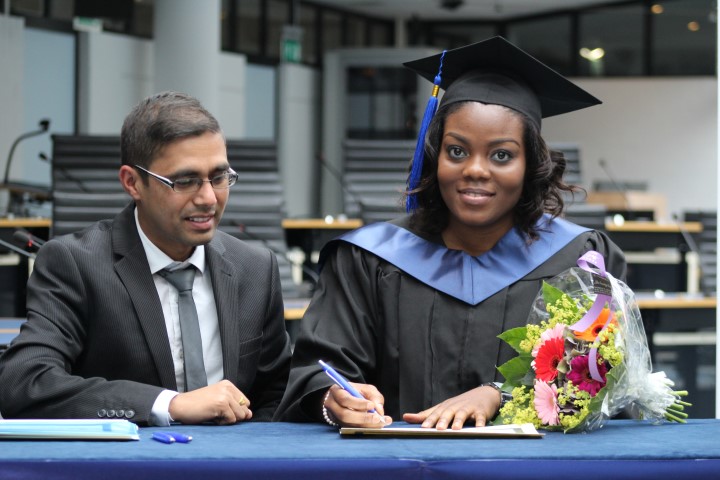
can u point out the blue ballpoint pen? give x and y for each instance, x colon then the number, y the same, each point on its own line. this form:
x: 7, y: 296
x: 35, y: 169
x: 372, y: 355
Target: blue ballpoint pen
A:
x: 163, y: 437
x: 345, y: 385
x: 180, y: 437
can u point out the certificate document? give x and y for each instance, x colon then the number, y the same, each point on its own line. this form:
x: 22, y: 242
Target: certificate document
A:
x: 526, y: 430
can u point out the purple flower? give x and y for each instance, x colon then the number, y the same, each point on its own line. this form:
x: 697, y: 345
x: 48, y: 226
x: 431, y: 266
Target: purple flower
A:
x: 579, y: 375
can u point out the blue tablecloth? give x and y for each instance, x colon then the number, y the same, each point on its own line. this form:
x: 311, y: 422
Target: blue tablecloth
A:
x: 621, y: 449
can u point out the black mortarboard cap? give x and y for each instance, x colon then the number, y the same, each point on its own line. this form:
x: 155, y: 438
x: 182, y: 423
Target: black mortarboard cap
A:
x: 495, y: 72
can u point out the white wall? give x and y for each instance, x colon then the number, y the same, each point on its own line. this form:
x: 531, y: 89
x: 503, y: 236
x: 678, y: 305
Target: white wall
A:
x: 12, y: 115
x: 49, y: 92
x: 659, y: 130
x: 231, y: 111
x: 297, y: 137
x: 260, y: 102
x: 117, y: 71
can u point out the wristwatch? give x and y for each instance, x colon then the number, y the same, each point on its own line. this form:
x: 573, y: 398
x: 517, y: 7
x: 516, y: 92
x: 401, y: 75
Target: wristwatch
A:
x: 504, y: 396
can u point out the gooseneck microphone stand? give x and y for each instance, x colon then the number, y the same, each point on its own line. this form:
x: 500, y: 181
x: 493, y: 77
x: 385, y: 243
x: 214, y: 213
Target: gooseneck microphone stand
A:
x: 44, y: 125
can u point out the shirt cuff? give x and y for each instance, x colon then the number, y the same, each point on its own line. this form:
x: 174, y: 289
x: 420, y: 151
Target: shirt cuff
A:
x: 160, y: 413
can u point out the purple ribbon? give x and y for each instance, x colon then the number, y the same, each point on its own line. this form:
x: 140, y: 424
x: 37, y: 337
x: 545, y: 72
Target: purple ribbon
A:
x: 604, y: 295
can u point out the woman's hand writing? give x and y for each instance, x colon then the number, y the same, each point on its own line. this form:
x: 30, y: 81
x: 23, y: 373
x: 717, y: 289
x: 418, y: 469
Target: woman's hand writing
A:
x: 349, y: 411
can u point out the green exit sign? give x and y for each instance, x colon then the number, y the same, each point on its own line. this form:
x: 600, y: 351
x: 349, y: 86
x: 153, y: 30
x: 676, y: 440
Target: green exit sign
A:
x: 291, y: 51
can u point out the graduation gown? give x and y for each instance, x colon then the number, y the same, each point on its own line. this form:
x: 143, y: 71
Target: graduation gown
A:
x: 419, y: 321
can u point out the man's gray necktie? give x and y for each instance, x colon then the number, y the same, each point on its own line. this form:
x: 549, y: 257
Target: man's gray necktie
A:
x: 182, y: 279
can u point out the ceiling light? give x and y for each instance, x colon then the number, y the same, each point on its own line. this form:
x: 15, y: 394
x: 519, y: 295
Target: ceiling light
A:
x: 657, y: 9
x: 593, y: 55
x: 693, y: 26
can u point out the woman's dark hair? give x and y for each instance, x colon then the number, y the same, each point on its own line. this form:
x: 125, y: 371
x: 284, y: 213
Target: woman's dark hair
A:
x: 543, y: 186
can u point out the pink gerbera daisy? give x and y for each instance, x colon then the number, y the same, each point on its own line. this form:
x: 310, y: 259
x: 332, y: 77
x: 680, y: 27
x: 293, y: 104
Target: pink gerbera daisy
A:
x: 546, y: 403
x: 579, y: 375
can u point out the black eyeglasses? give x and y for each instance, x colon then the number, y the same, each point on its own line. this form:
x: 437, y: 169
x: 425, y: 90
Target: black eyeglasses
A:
x: 194, y: 184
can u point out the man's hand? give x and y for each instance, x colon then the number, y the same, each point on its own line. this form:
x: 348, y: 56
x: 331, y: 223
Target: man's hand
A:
x: 222, y: 403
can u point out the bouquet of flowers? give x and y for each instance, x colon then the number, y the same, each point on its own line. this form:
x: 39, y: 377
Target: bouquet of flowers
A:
x: 583, y: 357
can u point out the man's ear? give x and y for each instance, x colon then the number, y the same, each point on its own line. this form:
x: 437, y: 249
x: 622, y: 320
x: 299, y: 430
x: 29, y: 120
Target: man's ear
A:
x: 129, y: 179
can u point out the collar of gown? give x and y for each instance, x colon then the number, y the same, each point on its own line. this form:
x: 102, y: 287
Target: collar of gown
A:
x: 456, y: 273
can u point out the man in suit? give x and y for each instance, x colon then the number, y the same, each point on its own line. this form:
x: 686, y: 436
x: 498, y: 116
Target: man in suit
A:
x: 104, y: 334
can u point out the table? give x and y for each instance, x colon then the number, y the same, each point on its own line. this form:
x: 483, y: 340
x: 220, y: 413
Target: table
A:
x: 295, y: 308
x: 9, y: 328
x: 674, y: 301
x: 321, y: 224
x: 681, y: 336
x: 654, y: 227
x: 622, y: 449
x: 634, y: 236
x: 25, y: 222
x: 311, y: 234
x: 631, y: 203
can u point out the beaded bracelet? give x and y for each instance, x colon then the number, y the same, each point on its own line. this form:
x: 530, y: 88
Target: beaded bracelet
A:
x: 326, y: 416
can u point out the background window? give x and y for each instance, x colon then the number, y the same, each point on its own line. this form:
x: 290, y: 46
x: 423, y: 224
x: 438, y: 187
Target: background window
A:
x: 308, y: 22
x: 380, y: 34
x: 548, y: 39
x: 331, y: 30
x: 381, y: 103
x: 618, y: 32
x: 278, y: 15
x: 683, y: 37
x: 452, y: 35
x: 354, y: 31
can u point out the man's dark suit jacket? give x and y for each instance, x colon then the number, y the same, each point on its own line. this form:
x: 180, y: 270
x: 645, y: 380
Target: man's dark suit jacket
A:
x: 95, y: 343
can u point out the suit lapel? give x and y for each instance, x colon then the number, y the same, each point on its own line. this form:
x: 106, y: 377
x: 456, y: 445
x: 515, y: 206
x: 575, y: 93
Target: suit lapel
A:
x: 133, y: 269
x: 224, y: 277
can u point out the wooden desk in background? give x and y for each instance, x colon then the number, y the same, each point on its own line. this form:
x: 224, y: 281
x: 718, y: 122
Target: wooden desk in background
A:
x: 655, y: 253
x: 295, y: 308
x: 9, y: 328
x: 632, y: 202
x: 654, y: 227
x: 675, y: 301
x: 321, y: 224
x: 310, y: 234
x: 25, y: 222
x: 681, y: 336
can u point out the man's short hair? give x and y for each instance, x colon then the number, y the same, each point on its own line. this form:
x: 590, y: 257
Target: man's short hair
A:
x: 158, y: 121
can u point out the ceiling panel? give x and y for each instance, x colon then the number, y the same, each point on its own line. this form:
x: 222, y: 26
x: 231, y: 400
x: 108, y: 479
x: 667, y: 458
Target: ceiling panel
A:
x: 464, y: 9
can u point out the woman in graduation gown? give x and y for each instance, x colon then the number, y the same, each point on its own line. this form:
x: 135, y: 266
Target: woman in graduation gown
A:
x: 409, y: 311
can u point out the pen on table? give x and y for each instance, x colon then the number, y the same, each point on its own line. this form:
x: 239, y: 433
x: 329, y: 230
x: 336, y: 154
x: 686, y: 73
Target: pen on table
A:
x: 163, y: 437
x: 345, y: 385
x: 180, y: 437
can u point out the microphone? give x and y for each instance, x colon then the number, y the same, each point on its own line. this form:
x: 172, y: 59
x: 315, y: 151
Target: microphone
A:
x: 28, y: 239
x: 334, y: 173
x: 309, y: 271
x: 44, y: 125
x: 692, y: 259
x: 15, y: 249
x: 620, y: 188
x: 63, y: 171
